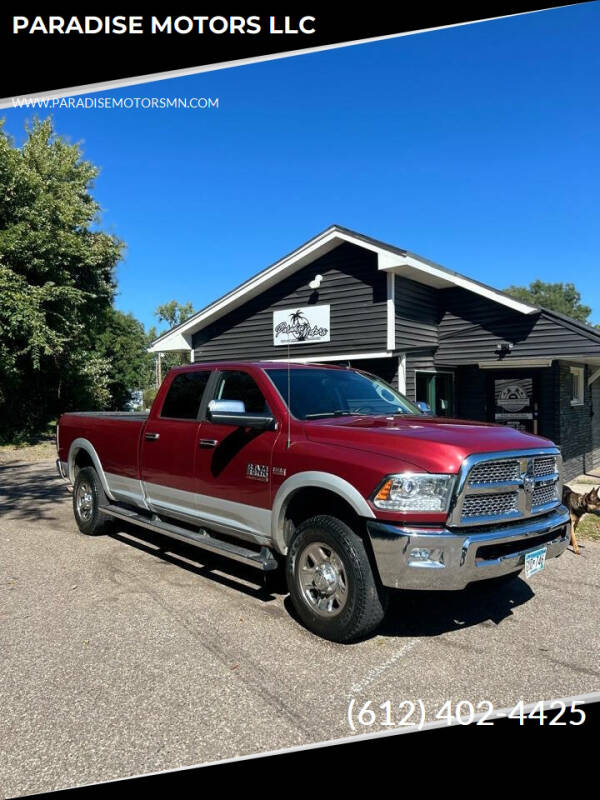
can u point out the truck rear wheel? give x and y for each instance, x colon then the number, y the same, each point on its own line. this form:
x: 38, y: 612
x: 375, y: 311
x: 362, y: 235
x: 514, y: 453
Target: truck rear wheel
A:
x: 331, y: 583
x: 88, y: 496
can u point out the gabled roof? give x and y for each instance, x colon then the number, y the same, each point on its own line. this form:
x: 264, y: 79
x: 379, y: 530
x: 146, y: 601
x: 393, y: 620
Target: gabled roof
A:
x: 574, y: 324
x: 389, y: 259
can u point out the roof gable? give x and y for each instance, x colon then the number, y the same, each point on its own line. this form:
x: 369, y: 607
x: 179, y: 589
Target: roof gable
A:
x: 389, y: 259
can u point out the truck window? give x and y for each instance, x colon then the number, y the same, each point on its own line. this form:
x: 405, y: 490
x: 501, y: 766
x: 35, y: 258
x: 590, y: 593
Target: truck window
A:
x: 320, y: 392
x: 241, y: 386
x: 184, y: 395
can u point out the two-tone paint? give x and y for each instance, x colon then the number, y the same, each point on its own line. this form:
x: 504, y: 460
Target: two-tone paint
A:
x: 240, y: 481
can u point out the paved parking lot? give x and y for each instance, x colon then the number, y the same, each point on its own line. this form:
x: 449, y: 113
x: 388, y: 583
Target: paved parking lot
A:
x: 120, y: 658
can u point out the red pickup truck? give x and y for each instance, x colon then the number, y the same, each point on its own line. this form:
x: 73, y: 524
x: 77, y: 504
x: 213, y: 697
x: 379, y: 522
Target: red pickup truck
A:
x: 328, y: 470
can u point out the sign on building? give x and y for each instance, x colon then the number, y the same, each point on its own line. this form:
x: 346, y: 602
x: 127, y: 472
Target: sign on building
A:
x: 301, y: 325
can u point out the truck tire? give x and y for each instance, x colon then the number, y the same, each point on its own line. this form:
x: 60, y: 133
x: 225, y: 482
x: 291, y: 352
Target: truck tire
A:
x: 88, y: 496
x: 331, y: 583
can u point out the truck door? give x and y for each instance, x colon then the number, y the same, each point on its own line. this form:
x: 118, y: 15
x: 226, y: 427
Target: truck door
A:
x: 169, y: 446
x: 233, y: 464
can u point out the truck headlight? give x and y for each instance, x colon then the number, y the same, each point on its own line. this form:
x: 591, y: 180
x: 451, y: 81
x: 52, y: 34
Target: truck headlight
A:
x: 414, y: 492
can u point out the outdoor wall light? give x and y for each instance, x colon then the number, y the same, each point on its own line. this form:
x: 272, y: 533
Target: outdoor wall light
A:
x: 316, y: 282
x: 503, y: 348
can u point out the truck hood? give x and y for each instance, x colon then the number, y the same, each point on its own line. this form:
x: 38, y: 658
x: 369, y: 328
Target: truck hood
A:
x: 435, y: 444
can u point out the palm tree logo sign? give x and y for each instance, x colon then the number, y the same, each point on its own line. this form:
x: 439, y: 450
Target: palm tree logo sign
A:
x: 300, y: 328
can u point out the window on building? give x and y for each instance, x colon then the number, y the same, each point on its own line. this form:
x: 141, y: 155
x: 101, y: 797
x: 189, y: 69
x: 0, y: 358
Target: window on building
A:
x: 437, y: 390
x: 577, y: 386
x: 184, y: 396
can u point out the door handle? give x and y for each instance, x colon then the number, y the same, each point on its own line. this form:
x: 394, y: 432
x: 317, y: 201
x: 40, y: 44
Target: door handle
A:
x: 207, y: 443
x: 151, y: 437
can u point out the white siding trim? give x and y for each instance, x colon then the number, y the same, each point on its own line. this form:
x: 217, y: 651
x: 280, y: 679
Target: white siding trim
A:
x: 391, y: 311
x: 592, y: 361
x: 515, y: 363
x: 173, y: 342
x: 594, y: 376
x: 412, y: 268
x: 402, y: 373
x: 340, y: 357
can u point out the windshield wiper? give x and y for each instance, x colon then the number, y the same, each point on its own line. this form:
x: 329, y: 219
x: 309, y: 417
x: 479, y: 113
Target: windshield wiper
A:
x: 338, y: 413
x: 391, y: 414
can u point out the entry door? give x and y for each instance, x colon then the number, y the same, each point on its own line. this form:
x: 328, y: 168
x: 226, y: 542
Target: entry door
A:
x: 514, y: 400
x: 233, y: 464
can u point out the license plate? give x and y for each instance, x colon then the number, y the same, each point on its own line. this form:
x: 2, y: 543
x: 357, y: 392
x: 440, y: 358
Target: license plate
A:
x: 534, y: 561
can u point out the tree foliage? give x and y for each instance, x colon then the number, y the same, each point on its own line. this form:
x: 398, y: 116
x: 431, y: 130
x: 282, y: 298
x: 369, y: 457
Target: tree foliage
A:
x: 123, y: 343
x: 173, y: 313
x: 63, y: 345
x: 57, y: 281
x: 561, y: 297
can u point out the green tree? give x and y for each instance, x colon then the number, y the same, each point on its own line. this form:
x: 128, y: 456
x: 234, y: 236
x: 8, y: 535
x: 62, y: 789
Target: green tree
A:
x: 57, y: 281
x: 123, y: 343
x: 561, y: 297
x: 173, y: 313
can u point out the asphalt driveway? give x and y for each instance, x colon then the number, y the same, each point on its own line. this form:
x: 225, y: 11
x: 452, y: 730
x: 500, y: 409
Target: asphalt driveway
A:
x: 119, y: 657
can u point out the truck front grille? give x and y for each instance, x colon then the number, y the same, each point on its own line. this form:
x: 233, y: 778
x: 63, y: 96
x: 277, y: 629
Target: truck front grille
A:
x: 494, y: 472
x: 490, y: 505
x: 503, y: 487
x: 546, y: 465
x: 543, y: 495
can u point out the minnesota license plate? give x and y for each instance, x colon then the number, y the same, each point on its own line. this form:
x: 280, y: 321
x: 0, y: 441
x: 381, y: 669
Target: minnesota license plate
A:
x: 534, y: 561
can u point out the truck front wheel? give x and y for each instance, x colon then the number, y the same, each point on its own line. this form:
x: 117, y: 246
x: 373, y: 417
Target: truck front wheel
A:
x: 331, y: 583
x: 88, y: 496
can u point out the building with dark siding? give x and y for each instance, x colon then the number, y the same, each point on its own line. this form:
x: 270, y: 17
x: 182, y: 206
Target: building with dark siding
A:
x: 466, y: 349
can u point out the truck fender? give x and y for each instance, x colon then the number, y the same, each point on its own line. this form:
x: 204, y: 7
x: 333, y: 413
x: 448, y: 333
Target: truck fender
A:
x: 319, y: 480
x: 84, y: 444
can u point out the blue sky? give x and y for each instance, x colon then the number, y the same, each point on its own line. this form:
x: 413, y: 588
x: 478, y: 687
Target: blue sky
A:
x: 476, y: 147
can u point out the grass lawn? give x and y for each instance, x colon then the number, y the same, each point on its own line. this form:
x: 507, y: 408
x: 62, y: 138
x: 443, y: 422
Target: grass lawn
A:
x: 589, y: 527
x: 42, y: 449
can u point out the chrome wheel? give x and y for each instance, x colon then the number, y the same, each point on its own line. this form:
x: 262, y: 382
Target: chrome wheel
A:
x: 85, y: 501
x: 322, y: 579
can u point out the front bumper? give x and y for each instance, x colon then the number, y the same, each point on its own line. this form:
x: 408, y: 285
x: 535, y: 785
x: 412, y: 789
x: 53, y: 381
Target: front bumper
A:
x: 440, y: 558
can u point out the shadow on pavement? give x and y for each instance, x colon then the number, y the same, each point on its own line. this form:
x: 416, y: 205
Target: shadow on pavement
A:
x: 208, y: 565
x: 434, y: 613
x: 31, y: 491
x: 420, y: 614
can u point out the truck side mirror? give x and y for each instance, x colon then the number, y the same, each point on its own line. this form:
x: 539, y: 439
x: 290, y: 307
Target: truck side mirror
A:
x: 424, y: 407
x: 227, y: 406
x: 233, y: 412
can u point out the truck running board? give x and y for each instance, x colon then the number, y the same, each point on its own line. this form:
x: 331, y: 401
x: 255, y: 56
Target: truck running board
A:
x: 263, y: 560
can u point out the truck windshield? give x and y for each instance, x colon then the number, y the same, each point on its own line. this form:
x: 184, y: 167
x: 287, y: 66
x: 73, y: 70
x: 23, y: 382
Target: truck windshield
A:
x: 315, y: 393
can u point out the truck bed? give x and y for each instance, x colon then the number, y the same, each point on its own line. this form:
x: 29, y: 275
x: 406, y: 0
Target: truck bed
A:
x: 115, y: 436
x: 127, y: 415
